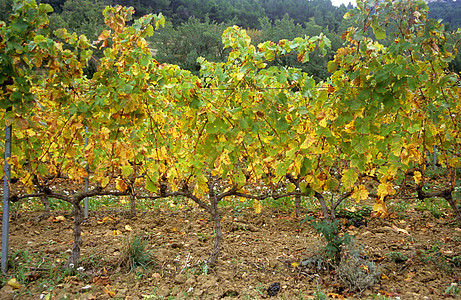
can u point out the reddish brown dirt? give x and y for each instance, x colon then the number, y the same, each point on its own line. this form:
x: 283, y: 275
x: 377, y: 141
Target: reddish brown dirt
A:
x: 258, y: 250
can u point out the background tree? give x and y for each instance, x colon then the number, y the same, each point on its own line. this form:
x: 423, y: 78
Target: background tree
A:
x: 80, y: 16
x: 184, y: 44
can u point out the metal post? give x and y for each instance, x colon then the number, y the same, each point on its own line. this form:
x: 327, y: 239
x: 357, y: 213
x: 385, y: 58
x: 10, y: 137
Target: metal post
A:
x: 87, y: 181
x: 6, y: 200
x: 435, y: 158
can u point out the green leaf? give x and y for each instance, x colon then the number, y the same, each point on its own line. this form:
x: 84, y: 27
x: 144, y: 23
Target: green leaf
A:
x: 151, y: 186
x: 379, y: 32
x: 332, y: 66
x: 20, y: 25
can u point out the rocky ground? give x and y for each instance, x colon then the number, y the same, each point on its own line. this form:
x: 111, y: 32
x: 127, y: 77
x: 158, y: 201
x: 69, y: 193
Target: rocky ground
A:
x: 418, y: 257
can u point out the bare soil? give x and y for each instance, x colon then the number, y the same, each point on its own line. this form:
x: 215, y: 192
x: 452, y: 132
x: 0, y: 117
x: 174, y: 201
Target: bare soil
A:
x: 258, y: 251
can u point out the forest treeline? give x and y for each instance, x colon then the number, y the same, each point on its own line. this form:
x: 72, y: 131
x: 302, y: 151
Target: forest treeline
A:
x: 194, y: 27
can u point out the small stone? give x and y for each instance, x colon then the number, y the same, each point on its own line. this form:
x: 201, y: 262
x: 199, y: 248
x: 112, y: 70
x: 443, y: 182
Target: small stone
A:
x: 190, y: 281
x: 180, y: 278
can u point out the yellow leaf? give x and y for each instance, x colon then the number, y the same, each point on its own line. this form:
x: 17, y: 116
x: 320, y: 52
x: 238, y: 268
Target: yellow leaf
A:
x: 120, y: 184
x: 105, y: 133
x: 359, y: 193
x: 105, y: 181
x: 295, y: 264
x: 335, y: 296
x: 380, y: 209
x: 323, y: 123
x: 14, y: 283
x: 384, y: 189
x: 400, y: 230
x: 201, y: 186
x: 116, y: 232
x: 59, y: 219
x: 257, y: 206
x: 111, y: 293
x: 417, y: 177
x: 310, y: 139
x: 384, y: 276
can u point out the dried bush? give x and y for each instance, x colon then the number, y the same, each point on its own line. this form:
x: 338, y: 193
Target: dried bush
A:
x: 356, y: 272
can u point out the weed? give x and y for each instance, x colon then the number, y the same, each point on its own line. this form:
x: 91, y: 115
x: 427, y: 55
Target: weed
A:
x: 397, y: 257
x: 202, y: 270
x: 237, y: 267
x: 134, y: 253
x: 456, y: 261
x: 355, y: 216
x: 400, y: 208
x: 260, y: 288
x: 435, y: 256
x: 319, y: 295
x: 453, y: 289
x: 19, y: 263
x: 436, y: 206
x: 335, y: 242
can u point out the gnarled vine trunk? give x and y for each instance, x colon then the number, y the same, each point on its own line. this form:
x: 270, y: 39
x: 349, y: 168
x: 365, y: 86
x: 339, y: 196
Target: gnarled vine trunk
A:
x: 77, y: 211
x: 218, y: 231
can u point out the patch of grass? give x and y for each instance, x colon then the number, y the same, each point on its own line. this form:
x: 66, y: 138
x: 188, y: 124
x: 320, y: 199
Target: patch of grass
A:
x: 453, y: 289
x: 400, y: 208
x: 434, y: 255
x: 135, y: 255
x: 436, y: 206
x: 46, y: 271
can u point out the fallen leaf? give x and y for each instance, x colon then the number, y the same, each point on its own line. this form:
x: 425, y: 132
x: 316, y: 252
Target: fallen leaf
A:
x: 111, y: 293
x: 384, y: 276
x: 116, y: 232
x: 257, y: 206
x: 14, y: 283
x: 128, y: 228
x: 60, y: 218
x: 295, y: 264
x: 335, y: 296
x: 101, y: 280
x: 400, y: 230
x: 365, y: 268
